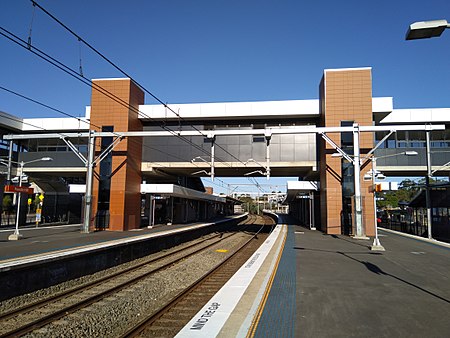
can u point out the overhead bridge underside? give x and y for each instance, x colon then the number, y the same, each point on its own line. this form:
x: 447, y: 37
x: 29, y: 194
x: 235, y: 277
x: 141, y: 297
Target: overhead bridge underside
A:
x: 229, y: 169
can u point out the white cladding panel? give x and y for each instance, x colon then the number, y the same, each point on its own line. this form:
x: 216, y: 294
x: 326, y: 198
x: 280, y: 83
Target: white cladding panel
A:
x: 222, y: 110
x: 48, y: 124
x: 77, y: 188
x: 230, y: 109
x: 302, y: 185
x: 431, y: 115
x: 382, y: 104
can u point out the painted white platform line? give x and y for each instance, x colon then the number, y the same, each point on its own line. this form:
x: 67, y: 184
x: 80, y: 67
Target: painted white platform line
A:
x: 211, y: 318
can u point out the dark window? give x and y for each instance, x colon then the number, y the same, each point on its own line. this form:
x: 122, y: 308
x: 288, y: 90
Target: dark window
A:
x: 104, y: 186
x: 347, y: 137
x: 259, y: 139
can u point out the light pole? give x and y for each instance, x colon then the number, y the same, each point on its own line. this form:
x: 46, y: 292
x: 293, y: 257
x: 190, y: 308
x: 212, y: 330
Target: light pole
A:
x: 426, y: 29
x: 376, y: 246
x: 16, y: 235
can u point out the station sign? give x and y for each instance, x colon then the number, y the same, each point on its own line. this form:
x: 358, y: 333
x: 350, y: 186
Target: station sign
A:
x: 22, y: 189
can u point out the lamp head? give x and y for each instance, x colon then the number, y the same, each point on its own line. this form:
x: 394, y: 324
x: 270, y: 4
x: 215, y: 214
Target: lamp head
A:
x: 426, y: 29
x: 46, y: 159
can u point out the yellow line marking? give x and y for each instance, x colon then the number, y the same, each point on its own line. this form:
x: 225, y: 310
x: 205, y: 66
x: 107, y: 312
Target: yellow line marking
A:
x: 221, y: 250
x: 251, y: 332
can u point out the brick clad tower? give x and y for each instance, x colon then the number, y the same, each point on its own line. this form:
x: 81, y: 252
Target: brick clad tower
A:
x: 117, y: 179
x: 345, y: 98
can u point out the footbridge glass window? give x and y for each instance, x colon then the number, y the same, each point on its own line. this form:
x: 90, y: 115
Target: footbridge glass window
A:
x: 415, y: 139
x: 53, y: 145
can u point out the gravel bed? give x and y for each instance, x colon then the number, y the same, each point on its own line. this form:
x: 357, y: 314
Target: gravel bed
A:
x: 15, y: 302
x: 113, y: 315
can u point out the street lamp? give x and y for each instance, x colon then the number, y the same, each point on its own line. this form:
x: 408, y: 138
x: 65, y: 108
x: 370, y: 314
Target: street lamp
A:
x: 426, y: 29
x: 16, y: 235
x: 376, y: 246
x: 423, y: 30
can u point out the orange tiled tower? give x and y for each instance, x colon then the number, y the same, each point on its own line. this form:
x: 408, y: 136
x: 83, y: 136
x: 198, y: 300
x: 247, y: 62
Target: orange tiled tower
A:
x: 115, y: 107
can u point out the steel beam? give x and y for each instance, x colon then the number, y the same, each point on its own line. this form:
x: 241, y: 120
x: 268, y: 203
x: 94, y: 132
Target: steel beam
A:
x: 231, y: 132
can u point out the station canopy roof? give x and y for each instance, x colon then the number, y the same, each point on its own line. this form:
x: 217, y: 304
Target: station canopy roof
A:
x: 174, y: 190
x: 297, y: 188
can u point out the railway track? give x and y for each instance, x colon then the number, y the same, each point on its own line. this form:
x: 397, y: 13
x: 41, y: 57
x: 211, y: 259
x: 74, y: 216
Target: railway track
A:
x: 251, y: 219
x: 31, y: 317
x: 38, y: 314
x: 172, y: 317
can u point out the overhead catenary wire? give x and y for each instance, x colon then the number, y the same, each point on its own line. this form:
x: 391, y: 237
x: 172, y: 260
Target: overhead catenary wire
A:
x: 12, y: 37
x: 93, y: 85
x: 123, y: 72
x: 79, y: 120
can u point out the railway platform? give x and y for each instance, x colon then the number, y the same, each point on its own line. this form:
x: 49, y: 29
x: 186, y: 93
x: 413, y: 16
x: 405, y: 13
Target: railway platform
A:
x: 335, y: 286
x: 346, y: 290
x: 39, y: 242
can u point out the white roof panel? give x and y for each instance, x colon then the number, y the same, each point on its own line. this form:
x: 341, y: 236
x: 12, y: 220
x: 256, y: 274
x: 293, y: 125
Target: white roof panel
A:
x: 232, y: 109
x: 426, y: 115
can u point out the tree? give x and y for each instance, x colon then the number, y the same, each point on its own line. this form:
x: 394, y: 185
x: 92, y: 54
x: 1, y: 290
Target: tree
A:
x: 7, y: 206
x: 248, y: 204
x: 408, y: 184
x: 7, y: 203
x: 407, y: 189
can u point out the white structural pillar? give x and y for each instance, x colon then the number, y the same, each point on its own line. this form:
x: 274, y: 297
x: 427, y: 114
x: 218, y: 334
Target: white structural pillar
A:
x: 427, y: 185
x: 213, y: 143
x: 268, y: 136
x: 376, y: 241
x: 360, y: 233
x: 312, y: 225
x: 10, y: 155
x: 89, y: 183
x: 16, y: 235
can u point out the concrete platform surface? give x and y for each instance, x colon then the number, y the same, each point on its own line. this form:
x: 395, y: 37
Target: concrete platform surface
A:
x: 346, y: 290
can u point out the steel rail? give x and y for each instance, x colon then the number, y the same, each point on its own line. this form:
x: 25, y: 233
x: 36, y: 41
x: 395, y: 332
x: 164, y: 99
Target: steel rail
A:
x: 146, y: 322
x: 86, y: 286
x: 28, y: 327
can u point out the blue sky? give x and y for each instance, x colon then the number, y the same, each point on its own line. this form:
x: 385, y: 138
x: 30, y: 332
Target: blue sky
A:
x: 207, y: 51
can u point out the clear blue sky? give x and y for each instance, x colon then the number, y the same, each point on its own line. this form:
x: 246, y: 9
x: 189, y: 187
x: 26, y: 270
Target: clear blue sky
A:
x: 207, y: 51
